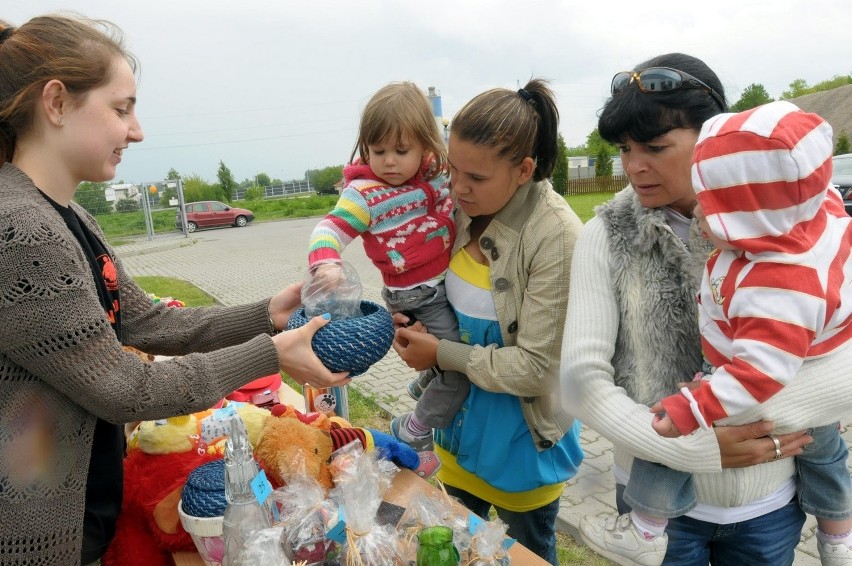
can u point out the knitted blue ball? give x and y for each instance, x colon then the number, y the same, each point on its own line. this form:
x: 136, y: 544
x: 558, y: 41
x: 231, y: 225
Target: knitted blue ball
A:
x: 204, y: 492
x: 351, y: 344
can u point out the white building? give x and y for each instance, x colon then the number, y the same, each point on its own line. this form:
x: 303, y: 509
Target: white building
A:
x: 119, y: 191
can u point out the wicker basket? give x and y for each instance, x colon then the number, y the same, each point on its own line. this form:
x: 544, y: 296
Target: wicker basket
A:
x: 351, y: 344
x: 204, y: 492
x: 201, y: 508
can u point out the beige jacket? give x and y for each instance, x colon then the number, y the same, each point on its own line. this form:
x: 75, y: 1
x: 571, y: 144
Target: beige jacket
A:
x: 529, y: 245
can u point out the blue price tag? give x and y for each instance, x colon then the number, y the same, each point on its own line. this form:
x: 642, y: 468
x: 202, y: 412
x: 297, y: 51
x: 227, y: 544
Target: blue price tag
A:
x: 261, y: 487
x: 508, y: 542
x: 337, y: 533
x: 225, y: 412
x: 473, y: 521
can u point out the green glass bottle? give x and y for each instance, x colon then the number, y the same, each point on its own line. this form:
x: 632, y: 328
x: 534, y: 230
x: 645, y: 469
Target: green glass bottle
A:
x: 436, y: 547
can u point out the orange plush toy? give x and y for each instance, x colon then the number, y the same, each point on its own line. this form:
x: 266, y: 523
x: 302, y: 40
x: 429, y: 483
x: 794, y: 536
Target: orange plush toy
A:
x: 288, y: 447
x: 297, y: 443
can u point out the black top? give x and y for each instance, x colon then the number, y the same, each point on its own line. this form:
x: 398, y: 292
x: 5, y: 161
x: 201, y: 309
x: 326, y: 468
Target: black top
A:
x: 104, y: 483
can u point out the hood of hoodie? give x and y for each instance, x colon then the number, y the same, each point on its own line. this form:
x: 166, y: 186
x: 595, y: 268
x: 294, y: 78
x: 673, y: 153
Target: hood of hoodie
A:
x: 763, y: 178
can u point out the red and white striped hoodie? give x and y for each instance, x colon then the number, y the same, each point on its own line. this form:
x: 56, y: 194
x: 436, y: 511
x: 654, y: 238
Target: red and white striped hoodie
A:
x: 763, y: 178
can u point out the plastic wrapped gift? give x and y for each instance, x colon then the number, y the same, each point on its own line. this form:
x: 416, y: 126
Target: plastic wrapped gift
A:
x: 306, y: 517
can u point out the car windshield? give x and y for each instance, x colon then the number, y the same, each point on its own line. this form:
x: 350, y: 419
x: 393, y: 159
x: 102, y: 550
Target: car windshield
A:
x: 843, y: 166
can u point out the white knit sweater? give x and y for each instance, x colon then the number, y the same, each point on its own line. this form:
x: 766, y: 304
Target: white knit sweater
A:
x: 820, y: 395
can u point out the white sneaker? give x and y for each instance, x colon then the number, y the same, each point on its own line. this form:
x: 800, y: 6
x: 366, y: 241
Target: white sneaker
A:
x: 617, y: 539
x: 834, y: 554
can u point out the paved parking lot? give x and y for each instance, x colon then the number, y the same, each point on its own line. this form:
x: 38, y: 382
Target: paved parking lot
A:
x: 238, y: 265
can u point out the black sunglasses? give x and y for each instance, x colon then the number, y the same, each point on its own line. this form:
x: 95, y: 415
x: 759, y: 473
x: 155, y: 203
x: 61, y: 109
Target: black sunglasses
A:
x: 661, y: 79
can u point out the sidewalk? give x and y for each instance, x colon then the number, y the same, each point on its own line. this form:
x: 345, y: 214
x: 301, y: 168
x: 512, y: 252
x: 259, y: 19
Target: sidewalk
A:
x: 241, y: 265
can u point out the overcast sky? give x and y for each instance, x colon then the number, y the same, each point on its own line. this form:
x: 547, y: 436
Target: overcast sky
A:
x: 277, y: 86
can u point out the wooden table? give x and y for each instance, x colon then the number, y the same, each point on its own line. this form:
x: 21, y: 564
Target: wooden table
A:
x: 405, y: 484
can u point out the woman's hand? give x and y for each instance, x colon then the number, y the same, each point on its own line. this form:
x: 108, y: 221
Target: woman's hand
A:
x: 296, y: 356
x: 416, y: 347
x: 284, y: 304
x: 747, y: 445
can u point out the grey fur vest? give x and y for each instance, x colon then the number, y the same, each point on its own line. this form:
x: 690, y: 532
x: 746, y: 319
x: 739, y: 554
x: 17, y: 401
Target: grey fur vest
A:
x: 656, y: 279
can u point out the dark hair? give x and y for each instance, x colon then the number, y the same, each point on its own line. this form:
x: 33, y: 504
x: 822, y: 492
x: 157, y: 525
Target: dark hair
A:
x: 644, y: 116
x: 520, y: 124
x: 73, y: 49
x: 397, y: 110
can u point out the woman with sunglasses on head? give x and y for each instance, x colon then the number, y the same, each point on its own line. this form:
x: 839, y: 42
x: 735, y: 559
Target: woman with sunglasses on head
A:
x: 632, y: 336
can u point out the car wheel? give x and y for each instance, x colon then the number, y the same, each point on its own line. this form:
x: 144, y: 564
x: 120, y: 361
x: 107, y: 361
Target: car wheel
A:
x: 240, y: 221
x: 191, y: 227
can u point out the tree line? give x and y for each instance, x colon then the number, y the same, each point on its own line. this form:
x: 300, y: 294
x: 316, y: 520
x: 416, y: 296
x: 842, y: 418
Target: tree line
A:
x: 92, y: 196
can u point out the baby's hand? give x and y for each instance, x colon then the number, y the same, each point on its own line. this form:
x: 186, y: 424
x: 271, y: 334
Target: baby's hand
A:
x: 665, y: 427
x: 327, y: 275
x: 662, y: 423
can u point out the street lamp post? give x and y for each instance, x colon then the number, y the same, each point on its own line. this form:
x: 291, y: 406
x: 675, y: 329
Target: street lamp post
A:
x: 446, y: 123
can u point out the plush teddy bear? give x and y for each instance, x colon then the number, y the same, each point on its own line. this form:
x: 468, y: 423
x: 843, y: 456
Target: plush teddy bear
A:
x: 288, y: 447
x: 294, y: 443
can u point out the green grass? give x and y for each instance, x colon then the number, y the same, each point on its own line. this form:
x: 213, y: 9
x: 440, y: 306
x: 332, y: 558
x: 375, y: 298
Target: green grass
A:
x: 584, y: 205
x: 119, y: 225
x: 179, y: 289
x: 293, y: 207
x: 123, y: 224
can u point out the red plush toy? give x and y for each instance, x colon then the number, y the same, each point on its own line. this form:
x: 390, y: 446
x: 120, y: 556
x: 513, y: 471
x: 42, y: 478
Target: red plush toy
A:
x: 161, y: 454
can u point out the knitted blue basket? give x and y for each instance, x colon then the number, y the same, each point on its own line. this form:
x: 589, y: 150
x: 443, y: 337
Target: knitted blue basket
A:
x: 351, y: 344
x: 204, y: 492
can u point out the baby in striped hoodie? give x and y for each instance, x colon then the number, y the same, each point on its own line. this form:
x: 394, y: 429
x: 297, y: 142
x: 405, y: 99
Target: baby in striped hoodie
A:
x: 775, y: 294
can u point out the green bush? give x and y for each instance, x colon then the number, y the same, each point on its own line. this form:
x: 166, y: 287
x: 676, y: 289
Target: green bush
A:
x: 254, y: 193
x: 126, y: 205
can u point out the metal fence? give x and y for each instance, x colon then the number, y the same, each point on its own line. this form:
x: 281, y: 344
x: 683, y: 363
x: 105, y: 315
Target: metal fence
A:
x: 295, y: 187
x: 134, y: 209
x: 611, y: 184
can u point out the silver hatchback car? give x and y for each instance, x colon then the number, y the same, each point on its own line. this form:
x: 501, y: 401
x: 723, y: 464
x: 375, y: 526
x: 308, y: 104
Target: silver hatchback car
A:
x: 842, y: 178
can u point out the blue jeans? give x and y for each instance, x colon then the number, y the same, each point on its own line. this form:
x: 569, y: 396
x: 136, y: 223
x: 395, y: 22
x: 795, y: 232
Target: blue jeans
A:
x: 769, y: 539
x: 824, y: 485
x: 534, y: 529
x: 659, y: 491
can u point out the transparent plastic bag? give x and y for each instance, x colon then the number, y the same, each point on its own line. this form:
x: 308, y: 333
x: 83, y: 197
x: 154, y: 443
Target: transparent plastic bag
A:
x: 364, y: 483
x: 264, y: 547
x: 332, y: 287
x: 306, y: 516
x: 486, y: 546
x: 425, y: 511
